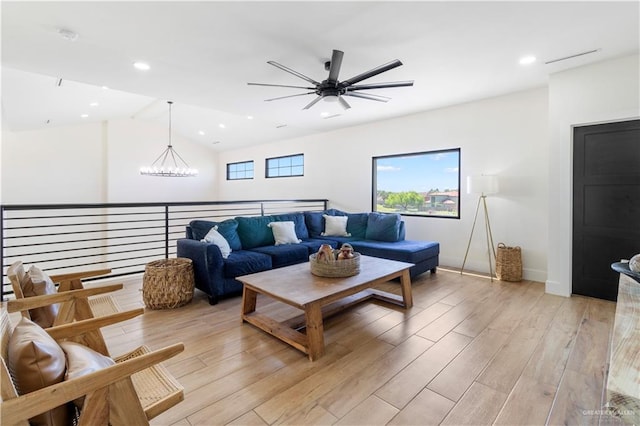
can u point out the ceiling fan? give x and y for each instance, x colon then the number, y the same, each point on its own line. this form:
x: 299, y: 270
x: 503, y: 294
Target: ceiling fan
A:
x: 332, y: 89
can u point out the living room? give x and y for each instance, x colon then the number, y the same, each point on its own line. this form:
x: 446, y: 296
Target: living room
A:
x: 522, y: 135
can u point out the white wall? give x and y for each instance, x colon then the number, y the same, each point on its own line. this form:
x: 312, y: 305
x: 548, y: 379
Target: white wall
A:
x: 601, y: 92
x: 57, y: 165
x: 505, y: 135
x: 99, y: 163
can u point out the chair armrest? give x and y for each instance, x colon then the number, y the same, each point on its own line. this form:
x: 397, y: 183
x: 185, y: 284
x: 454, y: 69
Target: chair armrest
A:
x: 26, y: 406
x: 50, y: 299
x: 79, y: 275
x: 77, y: 328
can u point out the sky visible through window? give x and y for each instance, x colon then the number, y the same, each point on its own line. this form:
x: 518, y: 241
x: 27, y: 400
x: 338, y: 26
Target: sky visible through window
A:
x: 420, y: 173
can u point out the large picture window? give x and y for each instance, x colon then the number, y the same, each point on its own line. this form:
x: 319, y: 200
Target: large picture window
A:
x: 241, y: 170
x: 290, y: 165
x: 418, y: 184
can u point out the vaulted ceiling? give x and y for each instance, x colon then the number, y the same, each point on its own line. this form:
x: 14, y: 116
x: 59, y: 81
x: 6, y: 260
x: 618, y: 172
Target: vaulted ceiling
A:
x: 202, y: 54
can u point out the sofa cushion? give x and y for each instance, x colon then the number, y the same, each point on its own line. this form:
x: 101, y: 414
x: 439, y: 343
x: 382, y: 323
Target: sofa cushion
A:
x: 35, y: 362
x: 38, y: 283
x: 243, y: 262
x: 299, y: 221
x: 227, y: 228
x: 214, y: 237
x: 285, y: 255
x: 403, y: 251
x: 284, y: 232
x: 335, y: 226
x: 313, y: 244
x: 315, y: 223
x: 383, y: 227
x: 255, y: 232
x: 357, y: 224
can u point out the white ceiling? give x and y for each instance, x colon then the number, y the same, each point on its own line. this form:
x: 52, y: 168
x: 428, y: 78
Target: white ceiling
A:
x: 202, y: 54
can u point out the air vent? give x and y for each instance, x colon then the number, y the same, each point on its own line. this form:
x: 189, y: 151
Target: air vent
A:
x: 572, y: 56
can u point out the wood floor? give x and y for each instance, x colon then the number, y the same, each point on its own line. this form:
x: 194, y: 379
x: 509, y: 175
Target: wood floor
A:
x: 469, y: 352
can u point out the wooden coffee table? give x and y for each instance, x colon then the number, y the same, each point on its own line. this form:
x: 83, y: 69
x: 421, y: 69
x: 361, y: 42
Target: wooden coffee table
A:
x: 319, y: 297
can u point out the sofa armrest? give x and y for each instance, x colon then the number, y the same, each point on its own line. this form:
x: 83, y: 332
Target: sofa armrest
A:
x: 207, y: 263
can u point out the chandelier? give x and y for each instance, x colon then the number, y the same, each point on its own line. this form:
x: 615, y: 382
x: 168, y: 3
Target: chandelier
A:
x: 168, y: 166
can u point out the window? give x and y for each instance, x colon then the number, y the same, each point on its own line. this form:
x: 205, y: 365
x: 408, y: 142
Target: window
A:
x: 242, y: 170
x: 418, y: 184
x: 290, y: 165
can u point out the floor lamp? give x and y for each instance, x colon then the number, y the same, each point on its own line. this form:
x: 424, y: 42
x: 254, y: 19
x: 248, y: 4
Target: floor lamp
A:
x: 482, y: 185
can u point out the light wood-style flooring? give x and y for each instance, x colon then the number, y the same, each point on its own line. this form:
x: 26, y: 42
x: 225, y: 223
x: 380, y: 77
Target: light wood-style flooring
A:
x: 469, y: 352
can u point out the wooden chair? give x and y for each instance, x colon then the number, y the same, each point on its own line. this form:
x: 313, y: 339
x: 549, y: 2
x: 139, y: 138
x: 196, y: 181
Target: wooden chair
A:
x: 133, y: 391
x: 78, y: 308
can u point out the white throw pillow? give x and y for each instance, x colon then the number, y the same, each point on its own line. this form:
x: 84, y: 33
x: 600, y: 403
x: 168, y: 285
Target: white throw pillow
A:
x: 213, y: 236
x: 284, y: 232
x: 335, y: 226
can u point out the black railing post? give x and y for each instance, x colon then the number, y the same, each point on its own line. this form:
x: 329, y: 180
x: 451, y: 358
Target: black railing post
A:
x: 166, y: 231
x: 261, y: 209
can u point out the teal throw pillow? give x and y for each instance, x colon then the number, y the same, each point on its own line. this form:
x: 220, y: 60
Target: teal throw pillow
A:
x: 255, y: 231
x: 383, y: 227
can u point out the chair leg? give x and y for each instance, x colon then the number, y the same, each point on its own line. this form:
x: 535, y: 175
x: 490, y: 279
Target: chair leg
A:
x: 213, y: 300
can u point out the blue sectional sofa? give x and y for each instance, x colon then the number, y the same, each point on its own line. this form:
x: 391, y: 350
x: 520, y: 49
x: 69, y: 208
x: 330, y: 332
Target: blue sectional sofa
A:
x: 253, y: 247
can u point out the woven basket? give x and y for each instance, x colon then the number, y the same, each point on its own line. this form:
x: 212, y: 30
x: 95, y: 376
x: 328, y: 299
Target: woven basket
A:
x: 338, y: 268
x: 167, y: 283
x: 509, y: 263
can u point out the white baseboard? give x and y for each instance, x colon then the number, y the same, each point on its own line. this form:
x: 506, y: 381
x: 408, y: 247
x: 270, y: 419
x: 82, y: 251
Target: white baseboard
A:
x: 553, y: 287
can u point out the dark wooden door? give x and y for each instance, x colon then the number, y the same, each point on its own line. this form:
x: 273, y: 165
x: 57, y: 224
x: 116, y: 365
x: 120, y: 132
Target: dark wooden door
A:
x: 606, y: 204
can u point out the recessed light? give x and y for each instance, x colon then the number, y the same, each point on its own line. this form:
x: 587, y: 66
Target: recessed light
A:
x: 67, y: 34
x: 324, y: 114
x: 94, y: 104
x: 142, y: 66
x: 84, y: 116
x: 249, y: 117
x: 222, y: 126
x: 527, y: 60
x: 105, y: 88
x: 201, y: 133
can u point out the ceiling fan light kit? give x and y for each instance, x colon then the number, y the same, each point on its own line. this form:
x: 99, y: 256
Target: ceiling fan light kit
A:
x: 332, y: 90
x: 168, y: 166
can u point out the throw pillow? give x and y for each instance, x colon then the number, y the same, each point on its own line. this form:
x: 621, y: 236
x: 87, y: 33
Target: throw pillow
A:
x: 227, y: 228
x: 82, y: 360
x: 35, y: 362
x: 335, y: 226
x: 357, y: 224
x: 254, y: 231
x: 213, y: 236
x: 383, y: 227
x: 37, y: 283
x: 284, y: 232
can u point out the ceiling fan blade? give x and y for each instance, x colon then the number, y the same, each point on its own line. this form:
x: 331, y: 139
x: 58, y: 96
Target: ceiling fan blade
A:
x: 281, y: 85
x: 336, y: 63
x: 289, y: 96
x: 368, y: 74
x: 313, y: 102
x: 343, y: 103
x: 369, y: 96
x: 382, y: 85
x: 290, y: 71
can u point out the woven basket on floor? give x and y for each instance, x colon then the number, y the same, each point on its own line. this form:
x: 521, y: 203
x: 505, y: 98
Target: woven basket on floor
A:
x: 338, y: 268
x: 167, y: 283
x: 509, y: 263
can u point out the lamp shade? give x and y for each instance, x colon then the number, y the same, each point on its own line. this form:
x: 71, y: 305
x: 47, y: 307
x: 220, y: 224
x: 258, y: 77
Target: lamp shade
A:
x: 482, y: 184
